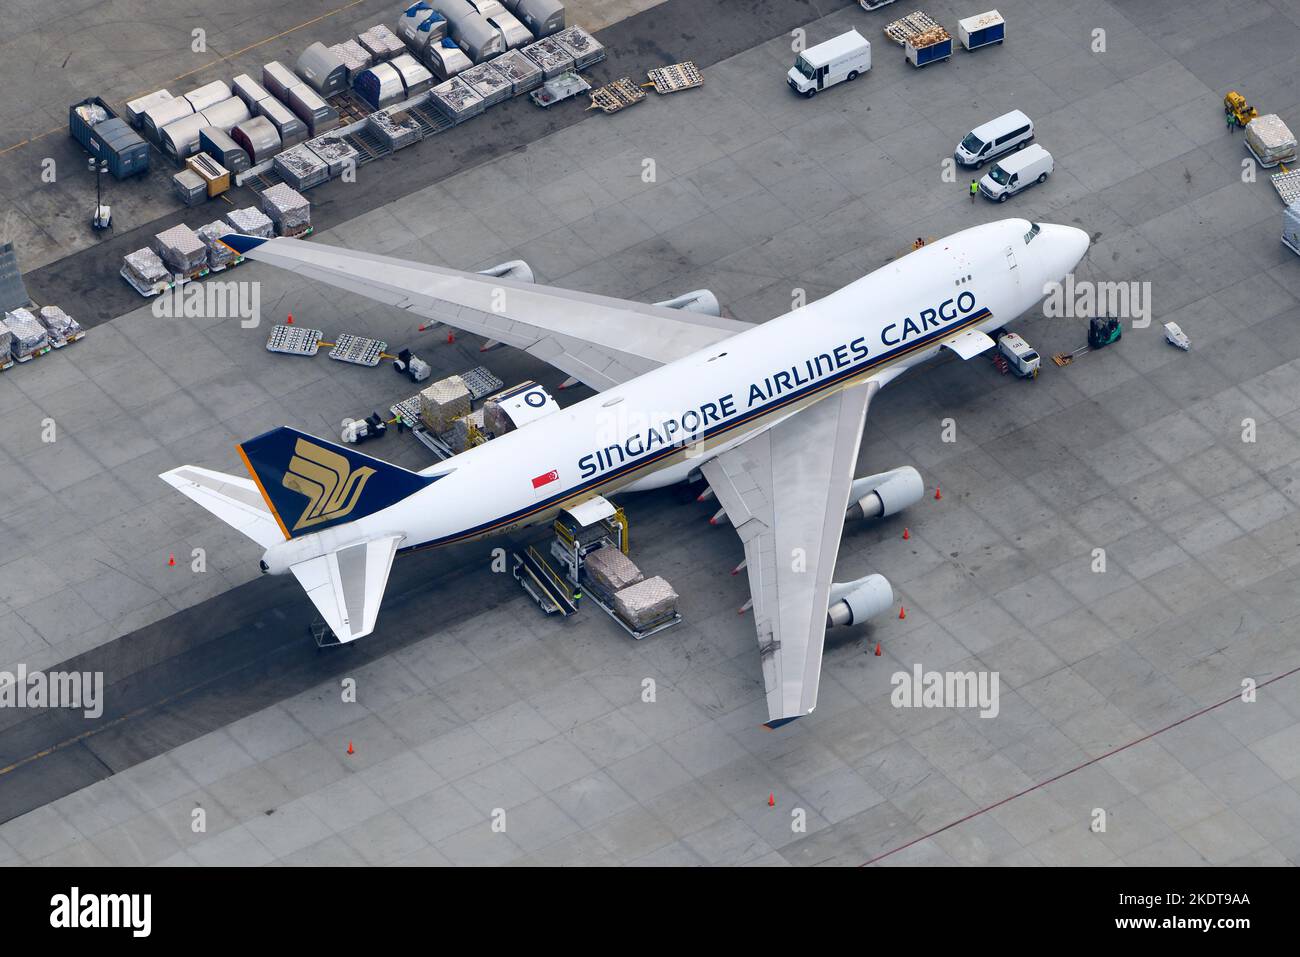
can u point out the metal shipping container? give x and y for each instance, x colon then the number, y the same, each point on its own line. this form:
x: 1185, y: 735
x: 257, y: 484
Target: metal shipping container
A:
x: 380, y: 86
x: 126, y: 152
x: 156, y: 117
x: 209, y: 94
x: 279, y: 79
x: 312, y: 110
x: 543, y: 17
x: 259, y: 138
x: 83, y: 117
x: 415, y: 77
x: 513, y: 32
x: 288, y: 127
x: 249, y: 90
x: 135, y: 108
x: 221, y: 147
x: 322, y: 70
x: 226, y: 114
x: 421, y: 25
x: 472, y: 33
x: 446, y: 59
x: 981, y: 30
x: 181, y: 139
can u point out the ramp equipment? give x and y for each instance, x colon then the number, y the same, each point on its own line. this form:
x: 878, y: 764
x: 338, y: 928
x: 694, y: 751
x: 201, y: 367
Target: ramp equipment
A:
x: 675, y: 77
x: 616, y: 96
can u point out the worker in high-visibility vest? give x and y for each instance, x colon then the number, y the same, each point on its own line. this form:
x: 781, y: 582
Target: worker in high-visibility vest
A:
x: 974, y: 188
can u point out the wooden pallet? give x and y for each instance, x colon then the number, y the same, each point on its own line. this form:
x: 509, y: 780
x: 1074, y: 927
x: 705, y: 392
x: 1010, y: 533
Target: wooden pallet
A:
x: 912, y: 25
x: 616, y: 96
x: 675, y: 77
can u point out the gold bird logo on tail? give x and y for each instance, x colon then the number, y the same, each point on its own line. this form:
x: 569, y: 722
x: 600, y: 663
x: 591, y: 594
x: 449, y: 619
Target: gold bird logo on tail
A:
x: 325, y: 478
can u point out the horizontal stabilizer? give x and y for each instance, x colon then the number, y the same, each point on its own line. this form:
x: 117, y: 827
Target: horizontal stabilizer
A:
x: 347, y: 585
x: 234, y: 500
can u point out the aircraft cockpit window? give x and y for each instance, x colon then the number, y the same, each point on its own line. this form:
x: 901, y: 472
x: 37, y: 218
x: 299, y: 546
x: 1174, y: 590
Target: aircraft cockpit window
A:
x: 1034, y: 230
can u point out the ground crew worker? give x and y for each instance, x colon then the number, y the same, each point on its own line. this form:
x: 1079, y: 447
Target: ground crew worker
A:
x: 1232, y: 120
x: 974, y: 188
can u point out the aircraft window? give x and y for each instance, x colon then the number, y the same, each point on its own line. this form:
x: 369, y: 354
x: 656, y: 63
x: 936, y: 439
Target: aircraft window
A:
x: 1034, y: 230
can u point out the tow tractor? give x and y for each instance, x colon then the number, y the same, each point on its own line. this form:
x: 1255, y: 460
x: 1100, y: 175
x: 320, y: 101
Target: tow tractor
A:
x: 588, y: 558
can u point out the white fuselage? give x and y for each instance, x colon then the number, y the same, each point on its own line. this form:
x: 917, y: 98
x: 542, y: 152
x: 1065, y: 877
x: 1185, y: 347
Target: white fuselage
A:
x: 657, y: 428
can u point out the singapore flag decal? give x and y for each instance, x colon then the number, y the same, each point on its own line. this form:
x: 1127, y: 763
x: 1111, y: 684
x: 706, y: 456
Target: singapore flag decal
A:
x: 545, y: 479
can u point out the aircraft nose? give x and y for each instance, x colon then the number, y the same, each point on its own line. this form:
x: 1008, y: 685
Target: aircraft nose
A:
x: 1067, y: 246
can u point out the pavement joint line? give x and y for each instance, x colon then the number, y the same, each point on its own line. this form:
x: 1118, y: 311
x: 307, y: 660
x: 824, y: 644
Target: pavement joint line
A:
x: 200, y: 69
x: 1066, y: 773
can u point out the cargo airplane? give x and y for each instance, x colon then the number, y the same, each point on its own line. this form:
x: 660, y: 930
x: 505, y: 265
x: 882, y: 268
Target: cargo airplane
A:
x: 771, y: 415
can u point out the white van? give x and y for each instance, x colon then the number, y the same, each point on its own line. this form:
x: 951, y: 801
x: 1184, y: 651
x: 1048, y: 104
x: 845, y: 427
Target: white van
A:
x: 1008, y: 132
x: 846, y: 57
x: 1009, y: 176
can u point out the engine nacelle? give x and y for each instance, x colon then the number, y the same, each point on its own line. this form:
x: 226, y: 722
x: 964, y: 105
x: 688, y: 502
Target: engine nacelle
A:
x: 700, y: 300
x: 854, y: 602
x: 515, y: 269
x: 877, y: 496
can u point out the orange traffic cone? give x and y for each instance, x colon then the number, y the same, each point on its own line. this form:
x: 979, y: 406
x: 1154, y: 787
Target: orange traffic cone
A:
x: 877, y: 649
x: 451, y: 336
x: 902, y: 612
x: 906, y: 533
x: 171, y: 560
x: 937, y: 494
x: 289, y: 321
x: 350, y: 749
x: 771, y: 799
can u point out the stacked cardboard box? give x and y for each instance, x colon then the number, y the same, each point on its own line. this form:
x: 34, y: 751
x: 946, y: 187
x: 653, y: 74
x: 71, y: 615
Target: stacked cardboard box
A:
x: 29, y: 335
x: 443, y: 402
x: 181, y: 249
x: 611, y: 569
x: 251, y: 221
x: 288, y: 208
x: 645, y: 603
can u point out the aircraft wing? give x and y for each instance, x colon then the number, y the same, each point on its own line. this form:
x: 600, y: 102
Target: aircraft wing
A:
x: 347, y: 585
x: 599, y: 340
x: 786, y: 490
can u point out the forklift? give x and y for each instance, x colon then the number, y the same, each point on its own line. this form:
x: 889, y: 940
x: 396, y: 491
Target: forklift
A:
x: 1235, y: 106
x: 1102, y: 331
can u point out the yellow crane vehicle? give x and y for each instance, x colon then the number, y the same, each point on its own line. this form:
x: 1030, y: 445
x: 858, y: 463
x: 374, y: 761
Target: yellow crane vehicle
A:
x: 1235, y: 106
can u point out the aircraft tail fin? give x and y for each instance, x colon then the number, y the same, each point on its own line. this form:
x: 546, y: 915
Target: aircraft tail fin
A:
x: 310, y: 484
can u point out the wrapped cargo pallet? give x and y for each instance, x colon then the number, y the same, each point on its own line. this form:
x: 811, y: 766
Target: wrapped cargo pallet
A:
x: 415, y: 78
x: 611, y: 569
x: 396, y: 127
x: 334, y: 151
x: 181, y: 250
x: 646, y: 603
x: 249, y: 90
x: 258, y: 138
x: 209, y: 94
x: 301, y: 168
x: 251, y: 221
x: 318, y: 116
x: 1270, y: 140
x: 135, y: 109
x: 143, y: 268
x: 354, y: 56
x: 550, y: 56
x: 61, y: 326
x: 29, y: 336
x: 488, y: 82
x: 445, y: 60
x: 1291, y: 228
x: 542, y: 17
x: 287, y: 208
x: 380, y: 86
x: 582, y: 46
x: 521, y: 72
x: 456, y: 100
x: 219, y: 254
x: 222, y: 148
x: 6, y: 347
x: 461, y: 434
x: 322, y: 69
x: 421, y: 25
x: 443, y: 402
x: 189, y: 187
x: 381, y: 43
x: 279, y: 80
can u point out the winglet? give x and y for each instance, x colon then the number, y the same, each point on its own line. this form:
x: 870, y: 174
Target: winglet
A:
x: 778, y: 722
x: 240, y: 243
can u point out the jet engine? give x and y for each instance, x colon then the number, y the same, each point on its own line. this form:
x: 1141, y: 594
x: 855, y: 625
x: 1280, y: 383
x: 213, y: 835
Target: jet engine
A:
x: 515, y: 269
x: 854, y: 602
x: 700, y: 300
x: 876, y: 496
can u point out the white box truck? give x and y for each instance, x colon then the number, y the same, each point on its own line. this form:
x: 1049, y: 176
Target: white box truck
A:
x: 845, y: 57
x: 1021, y: 359
x: 1011, y: 174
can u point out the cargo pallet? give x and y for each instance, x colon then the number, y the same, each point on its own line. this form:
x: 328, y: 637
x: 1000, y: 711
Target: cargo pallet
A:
x: 1273, y: 165
x: 910, y: 27
x: 616, y: 96
x: 1287, y: 184
x: 605, y: 602
x: 676, y: 77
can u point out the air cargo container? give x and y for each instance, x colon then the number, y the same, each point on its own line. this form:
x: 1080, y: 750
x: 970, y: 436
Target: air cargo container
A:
x: 446, y: 59
x: 322, y: 70
x: 135, y: 108
x: 226, y: 114
x: 512, y: 31
x: 981, y: 30
x: 542, y: 17
x: 312, y: 110
x: 250, y: 91
x: 164, y: 114
x: 181, y: 139
x: 221, y: 147
x: 928, y: 46
x: 288, y: 127
x: 477, y: 38
x: 259, y: 138
x: 279, y: 79
x: 380, y: 86
x: 210, y: 94
x: 421, y: 25
x: 415, y: 77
